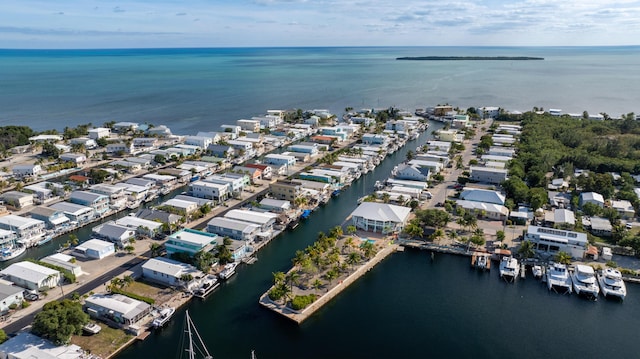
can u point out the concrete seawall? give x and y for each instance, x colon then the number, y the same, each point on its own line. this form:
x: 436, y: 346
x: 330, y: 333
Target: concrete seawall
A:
x: 300, y: 316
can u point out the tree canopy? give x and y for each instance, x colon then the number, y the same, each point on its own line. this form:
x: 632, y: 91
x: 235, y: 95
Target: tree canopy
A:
x: 58, y: 320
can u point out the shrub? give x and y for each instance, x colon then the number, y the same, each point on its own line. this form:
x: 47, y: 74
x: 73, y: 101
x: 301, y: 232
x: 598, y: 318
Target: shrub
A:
x: 25, y: 304
x: 276, y: 293
x: 13, y: 306
x: 302, y: 301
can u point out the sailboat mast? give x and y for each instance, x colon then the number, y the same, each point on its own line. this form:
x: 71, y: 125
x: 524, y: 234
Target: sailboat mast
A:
x: 192, y: 353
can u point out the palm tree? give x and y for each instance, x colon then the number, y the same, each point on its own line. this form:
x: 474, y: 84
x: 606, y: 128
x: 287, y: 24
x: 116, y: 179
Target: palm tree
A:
x: 336, y: 232
x: 278, y: 278
x: 354, y: 258
x: 386, y: 197
x: 317, y: 284
x: 563, y: 257
x: 351, y: 229
x: 293, y: 277
x: 127, y: 280
x: 526, y: 250
x: 414, y: 230
x: 73, y: 239
x: 156, y: 249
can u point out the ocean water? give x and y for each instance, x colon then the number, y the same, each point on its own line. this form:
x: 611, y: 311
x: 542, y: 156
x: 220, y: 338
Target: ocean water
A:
x: 199, y: 89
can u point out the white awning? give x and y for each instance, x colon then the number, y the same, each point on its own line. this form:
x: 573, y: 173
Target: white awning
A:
x: 59, y: 220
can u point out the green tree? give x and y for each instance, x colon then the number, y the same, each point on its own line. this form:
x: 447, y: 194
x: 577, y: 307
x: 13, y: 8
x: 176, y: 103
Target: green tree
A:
x: 156, y: 249
x: 537, y: 197
x: 3, y: 336
x: 351, y: 229
x: 591, y: 209
x: 526, y: 250
x: 414, y: 230
x: 203, y: 260
x: 58, y: 320
x: 563, y: 257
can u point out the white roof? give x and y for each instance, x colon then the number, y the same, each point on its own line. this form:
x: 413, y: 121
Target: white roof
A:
x: 382, y: 212
x: 169, y: 267
x: 128, y: 307
x: 482, y: 195
x: 279, y: 203
x: 95, y: 244
x: 135, y: 222
x: 72, y: 208
x: 29, y: 271
x: 557, y: 235
x: 242, y: 226
x: 194, y: 237
x: 29, y: 346
x: 592, y: 196
x: 488, y: 207
x: 178, y: 203
x: 18, y: 221
x: 251, y: 216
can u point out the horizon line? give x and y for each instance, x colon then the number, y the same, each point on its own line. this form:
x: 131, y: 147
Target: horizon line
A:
x: 312, y: 47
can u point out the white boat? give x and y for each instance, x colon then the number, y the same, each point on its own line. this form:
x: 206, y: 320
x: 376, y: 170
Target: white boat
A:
x: 8, y: 253
x: 228, y: 271
x: 611, y: 283
x: 537, y: 271
x: 92, y: 328
x: 163, y: 317
x: 208, y: 284
x: 584, y: 281
x: 509, y: 268
x: 558, y: 278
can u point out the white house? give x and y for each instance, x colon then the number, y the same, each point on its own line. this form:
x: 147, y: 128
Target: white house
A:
x: 482, y: 195
x: 488, y: 174
x: 116, y: 308
x: 28, y: 230
x: 25, y: 345
x: 591, y: 197
x: 140, y: 225
x: 171, y: 273
x: 211, y: 190
x: 76, y: 158
x: 116, y: 233
x: 199, y: 141
x: 75, y: 212
x: 94, y: 249
x: 31, y: 276
x: 21, y: 171
x: 624, y: 208
x: 10, y: 295
x: 550, y: 241
x: 280, y: 160
x: 487, y: 210
x: 99, y: 132
x: 411, y: 173
x: 63, y: 261
x: 380, y: 217
x: 265, y: 220
x: 232, y: 228
x: 115, y: 148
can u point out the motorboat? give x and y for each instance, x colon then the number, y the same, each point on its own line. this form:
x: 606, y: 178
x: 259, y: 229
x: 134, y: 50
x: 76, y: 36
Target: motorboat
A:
x: 228, y: 271
x: 481, y: 261
x: 509, y: 269
x: 92, y: 328
x: 558, y: 278
x: 584, y: 281
x: 611, y: 283
x: 537, y: 271
x: 208, y: 284
x: 163, y: 317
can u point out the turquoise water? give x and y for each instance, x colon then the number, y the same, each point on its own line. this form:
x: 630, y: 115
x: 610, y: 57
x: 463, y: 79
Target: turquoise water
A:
x: 198, y: 89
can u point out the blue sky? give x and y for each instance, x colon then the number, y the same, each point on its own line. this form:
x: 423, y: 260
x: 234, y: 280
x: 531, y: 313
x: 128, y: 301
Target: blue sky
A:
x: 246, y: 23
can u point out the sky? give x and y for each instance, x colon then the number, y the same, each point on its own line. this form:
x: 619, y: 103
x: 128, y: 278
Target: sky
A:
x: 266, y: 23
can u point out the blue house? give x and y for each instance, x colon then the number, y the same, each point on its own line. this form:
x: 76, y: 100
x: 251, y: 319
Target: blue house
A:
x: 191, y: 242
x: 99, y: 202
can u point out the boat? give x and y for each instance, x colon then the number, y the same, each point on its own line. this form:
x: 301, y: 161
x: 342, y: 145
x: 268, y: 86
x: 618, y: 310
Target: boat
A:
x: 537, y: 271
x: 209, y: 283
x: 611, y: 283
x: 45, y: 240
x: 11, y: 251
x: 92, y: 328
x: 133, y: 205
x: 228, y: 271
x: 509, y: 269
x: 163, y: 318
x: 335, y: 193
x: 480, y: 261
x: 558, y: 278
x: 378, y: 185
x: 193, y: 345
x: 584, y: 281
x: 165, y: 191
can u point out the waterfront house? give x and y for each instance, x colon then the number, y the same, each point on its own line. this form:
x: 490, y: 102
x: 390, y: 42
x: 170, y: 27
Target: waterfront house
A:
x: 94, y: 249
x: 421, y: 185
x: 88, y: 143
x: 143, y: 162
x: 25, y: 345
x: 44, y: 191
x: 624, y: 208
x: 317, y: 177
x: 160, y: 180
x: 23, y: 171
x: 116, y: 309
x: 265, y: 220
x: 549, y: 241
x: 336, y: 132
x: 182, y: 175
x: 560, y: 218
x: 432, y: 166
x: 222, y: 151
x: 54, y: 219
x: 591, y: 197
x: 488, y: 174
x: 63, y: 261
x: 442, y: 146
x: 460, y: 121
x: 75, y: 212
x: 99, y: 132
x: 158, y: 215
x: 325, y: 140
x: 78, y: 159
x: 267, y: 121
x: 145, y: 143
x: 218, y: 192
x: 287, y: 190
x: 160, y: 131
x: 118, y: 234
x: 311, y: 149
x: 191, y: 149
x: 116, y: 195
x: 124, y: 127
x: 190, y: 241
x: 126, y: 166
x: 142, y: 226
x: 171, y: 273
x: 275, y: 205
x: 411, y: 173
x: 236, y: 184
x: 99, y: 202
x: 181, y: 207
x: 10, y: 295
x: 300, y: 157
x: 482, y: 195
x: 31, y: 276
x: 255, y: 174
x: 489, y: 211
x: 146, y: 183
x: 375, y: 139
x: 17, y: 200
x: 380, y: 217
x: 28, y: 230
x: 232, y: 228
x: 232, y: 129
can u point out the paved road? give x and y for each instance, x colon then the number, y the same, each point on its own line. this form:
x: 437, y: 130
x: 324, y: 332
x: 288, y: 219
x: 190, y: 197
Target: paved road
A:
x: 97, y: 282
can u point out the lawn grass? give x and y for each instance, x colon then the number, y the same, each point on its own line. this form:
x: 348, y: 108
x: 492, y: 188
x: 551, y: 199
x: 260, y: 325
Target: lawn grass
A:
x: 145, y: 289
x: 104, y: 343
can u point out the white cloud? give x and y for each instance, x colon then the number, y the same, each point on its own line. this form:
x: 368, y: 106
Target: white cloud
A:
x: 330, y: 22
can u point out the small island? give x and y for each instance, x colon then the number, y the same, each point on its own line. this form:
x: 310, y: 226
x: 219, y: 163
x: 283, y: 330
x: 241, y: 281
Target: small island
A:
x: 468, y: 58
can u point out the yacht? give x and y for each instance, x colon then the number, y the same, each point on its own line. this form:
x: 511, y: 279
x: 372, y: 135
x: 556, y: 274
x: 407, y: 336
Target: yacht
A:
x: 584, y: 281
x: 9, y: 246
x: 558, y: 278
x: 611, y: 283
x: 509, y: 269
x: 209, y: 283
x: 228, y: 271
x: 163, y: 318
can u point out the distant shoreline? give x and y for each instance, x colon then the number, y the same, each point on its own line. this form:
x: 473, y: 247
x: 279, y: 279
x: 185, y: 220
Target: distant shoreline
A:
x: 468, y: 58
